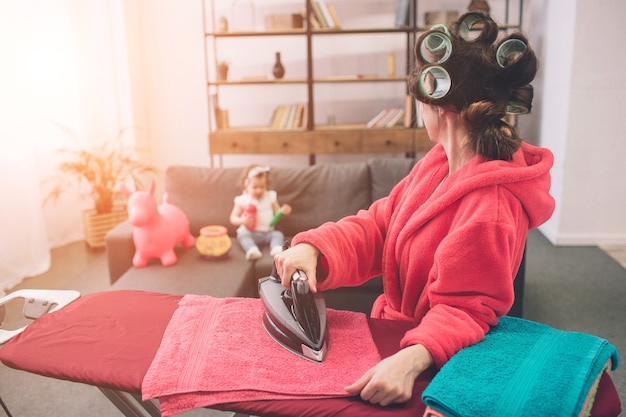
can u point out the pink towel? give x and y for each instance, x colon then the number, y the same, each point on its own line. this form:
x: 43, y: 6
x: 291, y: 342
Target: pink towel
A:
x: 215, y: 351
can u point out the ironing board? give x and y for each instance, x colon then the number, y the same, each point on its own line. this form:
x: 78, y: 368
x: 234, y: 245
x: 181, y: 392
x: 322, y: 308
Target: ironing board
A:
x: 109, y: 339
x: 35, y: 304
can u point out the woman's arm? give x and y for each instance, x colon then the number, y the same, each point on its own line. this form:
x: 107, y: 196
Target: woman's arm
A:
x: 353, y: 246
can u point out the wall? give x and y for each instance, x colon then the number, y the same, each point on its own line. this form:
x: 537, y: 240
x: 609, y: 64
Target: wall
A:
x: 169, y: 80
x: 583, y: 97
x: 63, y: 85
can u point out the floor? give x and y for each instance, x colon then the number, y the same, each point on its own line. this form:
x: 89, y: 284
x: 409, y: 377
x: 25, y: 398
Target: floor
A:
x: 616, y: 252
x: 68, y: 263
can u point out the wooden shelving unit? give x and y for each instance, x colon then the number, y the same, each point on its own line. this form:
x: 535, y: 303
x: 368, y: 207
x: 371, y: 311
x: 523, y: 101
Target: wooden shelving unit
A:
x: 312, y: 139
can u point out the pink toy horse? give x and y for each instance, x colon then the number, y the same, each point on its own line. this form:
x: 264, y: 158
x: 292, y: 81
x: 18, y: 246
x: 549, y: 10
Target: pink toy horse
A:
x: 156, y: 229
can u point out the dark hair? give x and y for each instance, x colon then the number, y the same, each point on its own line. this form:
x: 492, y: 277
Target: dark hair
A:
x: 485, y: 79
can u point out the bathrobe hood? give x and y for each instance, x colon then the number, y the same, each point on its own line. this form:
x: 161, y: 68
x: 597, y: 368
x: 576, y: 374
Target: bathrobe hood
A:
x: 527, y: 177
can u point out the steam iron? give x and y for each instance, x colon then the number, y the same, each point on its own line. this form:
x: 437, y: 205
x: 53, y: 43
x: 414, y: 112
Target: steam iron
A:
x: 295, y: 318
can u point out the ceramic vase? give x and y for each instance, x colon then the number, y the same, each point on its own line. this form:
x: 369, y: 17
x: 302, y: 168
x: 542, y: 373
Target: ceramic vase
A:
x: 278, y: 70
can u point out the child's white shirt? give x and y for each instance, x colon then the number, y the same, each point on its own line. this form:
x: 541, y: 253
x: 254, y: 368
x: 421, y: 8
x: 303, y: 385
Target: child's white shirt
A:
x: 264, y: 210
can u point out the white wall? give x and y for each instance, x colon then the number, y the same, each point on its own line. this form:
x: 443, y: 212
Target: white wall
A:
x: 574, y: 38
x: 584, y: 94
x: 167, y: 70
x: 65, y: 70
x: 553, y: 93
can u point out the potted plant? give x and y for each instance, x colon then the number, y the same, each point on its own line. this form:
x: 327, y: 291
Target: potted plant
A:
x: 97, y: 173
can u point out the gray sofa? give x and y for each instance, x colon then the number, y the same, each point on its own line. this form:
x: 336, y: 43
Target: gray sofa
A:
x: 316, y: 193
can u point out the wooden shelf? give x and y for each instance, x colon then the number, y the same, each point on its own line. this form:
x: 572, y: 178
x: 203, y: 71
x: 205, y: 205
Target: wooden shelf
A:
x: 320, y: 31
x: 257, y: 33
x: 331, y: 79
x: 321, y: 140
x: 363, y: 31
x: 357, y: 79
x: 255, y: 81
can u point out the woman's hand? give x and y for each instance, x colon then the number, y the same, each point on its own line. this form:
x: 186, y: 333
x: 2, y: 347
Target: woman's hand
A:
x: 303, y: 257
x: 392, y: 379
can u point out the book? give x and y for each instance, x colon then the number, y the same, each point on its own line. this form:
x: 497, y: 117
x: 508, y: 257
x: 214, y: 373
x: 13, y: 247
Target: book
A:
x: 282, y: 123
x: 273, y: 118
x: 328, y: 18
x: 221, y: 116
x: 299, y: 113
x: 389, y: 114
x: 291, y: 116
x: 387, y: 117
x: 408, y: 111
x: 376, y: 118
x: 419, y: 121
x: 313, y: 22
x: 402, y: 13
x: 334, y: 15
x: 279, y: 114
x: 318, y: 14
x: 305, y: 115
x: 396, y: 116
x: 288, y: 116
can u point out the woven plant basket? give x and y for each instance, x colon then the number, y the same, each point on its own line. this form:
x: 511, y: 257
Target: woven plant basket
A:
x: 96, y: 225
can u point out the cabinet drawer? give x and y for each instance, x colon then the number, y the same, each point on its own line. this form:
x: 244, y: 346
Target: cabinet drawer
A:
x: 363, y: 140
x: 292, y: 141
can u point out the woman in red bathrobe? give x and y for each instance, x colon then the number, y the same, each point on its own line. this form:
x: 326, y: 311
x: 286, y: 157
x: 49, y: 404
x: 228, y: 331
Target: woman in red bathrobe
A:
x: 449, y: 238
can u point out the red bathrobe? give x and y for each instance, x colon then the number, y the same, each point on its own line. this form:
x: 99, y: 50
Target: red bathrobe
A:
x: 447, y: 253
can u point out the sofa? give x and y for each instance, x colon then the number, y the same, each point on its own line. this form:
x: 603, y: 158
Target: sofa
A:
x: 317, y: 194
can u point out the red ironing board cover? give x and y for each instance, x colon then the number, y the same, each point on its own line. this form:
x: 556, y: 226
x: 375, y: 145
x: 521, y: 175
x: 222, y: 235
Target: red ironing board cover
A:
x: 106, y: 339
x: 109, y: 339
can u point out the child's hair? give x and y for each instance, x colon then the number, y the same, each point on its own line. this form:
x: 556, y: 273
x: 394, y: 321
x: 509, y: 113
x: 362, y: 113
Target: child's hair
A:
x: 254, y: 171
x: 466, y: 68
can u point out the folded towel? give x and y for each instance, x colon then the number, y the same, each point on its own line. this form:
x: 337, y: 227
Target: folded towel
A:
x: 216, y: 351
x: 522, y: 368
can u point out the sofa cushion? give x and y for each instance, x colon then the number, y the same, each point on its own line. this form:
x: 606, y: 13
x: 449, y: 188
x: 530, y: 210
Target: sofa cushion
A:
x: 320, y: 193
x: 232, y: 276
x: 386, y: 173
x: 204, y: 194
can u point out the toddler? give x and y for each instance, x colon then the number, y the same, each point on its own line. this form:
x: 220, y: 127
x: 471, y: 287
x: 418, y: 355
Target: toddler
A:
x: 254, y: 211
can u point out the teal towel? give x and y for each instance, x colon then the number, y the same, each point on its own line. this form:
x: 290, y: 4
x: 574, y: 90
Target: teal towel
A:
x: 521, y: 368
